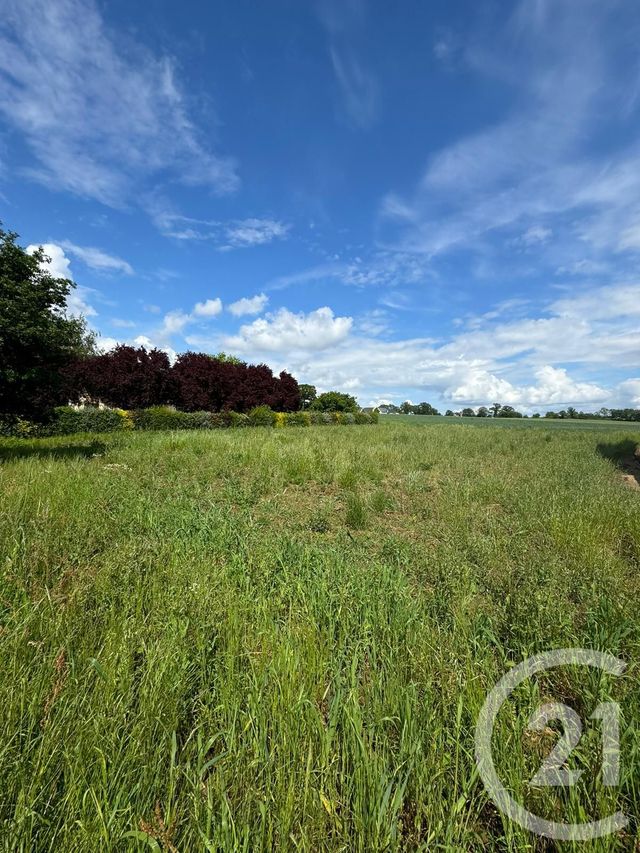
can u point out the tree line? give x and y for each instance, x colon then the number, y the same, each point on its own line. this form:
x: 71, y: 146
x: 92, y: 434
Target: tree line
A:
x: 48, y: 359
x: 497, y: 410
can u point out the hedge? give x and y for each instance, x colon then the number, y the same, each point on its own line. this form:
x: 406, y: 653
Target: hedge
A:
x: 67, y: 420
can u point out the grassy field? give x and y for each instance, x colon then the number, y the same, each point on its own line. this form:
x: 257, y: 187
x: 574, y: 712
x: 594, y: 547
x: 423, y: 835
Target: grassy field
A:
x: 525, y: 423
x: 281, y: 639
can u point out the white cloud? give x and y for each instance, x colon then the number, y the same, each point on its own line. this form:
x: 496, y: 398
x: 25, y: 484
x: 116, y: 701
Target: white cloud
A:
x: 566, y: 70
x: 629, y: 391
x: 59, y: 266
x: 253, y: 232
x: 208, y: 308
x: 542, y: 360
x: 235, y: 234
x: 554, y: 387
x: 249, y: 305
x: 97, y: 259
x: 535, y: 235
x: 358, y: 85
x: 343, y: 20
x: 99, y: 112
x: 174, y: 322
x: 284, y: 330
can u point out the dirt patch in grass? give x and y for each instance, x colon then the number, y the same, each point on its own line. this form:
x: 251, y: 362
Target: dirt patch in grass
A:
x: 626, y: 456
x: 630, y: 466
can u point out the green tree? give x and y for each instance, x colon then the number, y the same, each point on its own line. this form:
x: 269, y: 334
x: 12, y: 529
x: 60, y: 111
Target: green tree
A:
x: 483, y: 412
x: 335, y: 401
x: 495, y: 410
x: 468, y: 413
x: 308, y: 394
x: 37, y: 338
x: 225, y: 358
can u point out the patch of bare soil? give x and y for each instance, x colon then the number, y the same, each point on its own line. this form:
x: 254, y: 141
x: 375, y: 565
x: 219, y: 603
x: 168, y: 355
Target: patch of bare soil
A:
x: 631, y: 469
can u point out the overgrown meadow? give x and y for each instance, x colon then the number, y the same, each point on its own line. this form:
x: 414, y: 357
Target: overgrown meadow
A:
x: 281, y: 639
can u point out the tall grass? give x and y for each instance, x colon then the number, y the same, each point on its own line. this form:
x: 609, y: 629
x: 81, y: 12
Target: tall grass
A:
x: 281, y: 640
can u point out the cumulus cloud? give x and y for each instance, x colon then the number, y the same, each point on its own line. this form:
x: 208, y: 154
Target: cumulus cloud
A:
x: 535, y: 361
x: 554, y: 387
x: 208, y: 308
x: 59, y: 266
x: 286, y: 331
x: 249, y: 305
x: 101, y: 115
x: 97, y: 259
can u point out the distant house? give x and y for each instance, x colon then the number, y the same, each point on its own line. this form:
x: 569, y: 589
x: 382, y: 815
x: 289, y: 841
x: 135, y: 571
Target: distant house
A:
x: 368, y: 410
x: 385, y: 410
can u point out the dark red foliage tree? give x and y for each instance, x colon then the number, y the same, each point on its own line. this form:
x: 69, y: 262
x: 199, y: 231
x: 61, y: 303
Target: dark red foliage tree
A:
x: 125, y: 377
x: 288, y: 397
x: 204, y: 383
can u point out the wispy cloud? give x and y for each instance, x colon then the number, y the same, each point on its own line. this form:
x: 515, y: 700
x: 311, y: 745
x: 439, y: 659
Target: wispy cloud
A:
x: 344, y: 21
x: 535, y: 175
x: 102, y: 115
x: 97, y: 259
x: 234, y: 234
x: 358, y: 85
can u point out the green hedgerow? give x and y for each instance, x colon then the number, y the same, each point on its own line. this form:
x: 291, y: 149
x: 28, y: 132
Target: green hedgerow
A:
x: 262, y: 416
x: 298, y: 419
x: 67, y: 421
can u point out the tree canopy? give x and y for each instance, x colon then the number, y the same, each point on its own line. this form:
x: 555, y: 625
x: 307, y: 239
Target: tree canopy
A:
x: 335, y: 401
x: 37, y: 337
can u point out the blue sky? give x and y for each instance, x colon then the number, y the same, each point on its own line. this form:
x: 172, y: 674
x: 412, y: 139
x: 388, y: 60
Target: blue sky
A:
x: 429, y: 201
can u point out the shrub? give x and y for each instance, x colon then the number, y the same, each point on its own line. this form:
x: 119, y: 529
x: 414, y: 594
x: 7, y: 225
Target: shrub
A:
x: 238, y: 419
x: 262, y: 416
x: 12, y: 426
x: 67, y: 421
x: 158, y: 418
x: 298, y: 419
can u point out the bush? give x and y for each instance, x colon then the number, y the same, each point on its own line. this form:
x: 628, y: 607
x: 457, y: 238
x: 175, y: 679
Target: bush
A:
x: 298, y: 419
x: 160, y: 417
x: 67, y: 421
x: 262, y: 416
x: 12, y: 426
x: 238, y: 419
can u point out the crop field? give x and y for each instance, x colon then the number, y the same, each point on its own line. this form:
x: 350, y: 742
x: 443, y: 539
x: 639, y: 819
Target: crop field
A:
x: 281, y: 639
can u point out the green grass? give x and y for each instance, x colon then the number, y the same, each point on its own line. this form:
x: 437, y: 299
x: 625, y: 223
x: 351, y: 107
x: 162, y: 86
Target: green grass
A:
x: 281, y: 639
x: 524, y: 423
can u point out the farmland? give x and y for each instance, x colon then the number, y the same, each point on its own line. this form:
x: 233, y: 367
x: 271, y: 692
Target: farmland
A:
x: 281, y: 639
